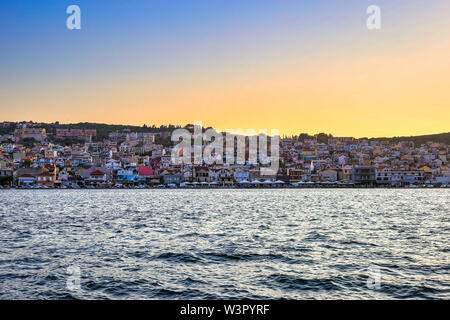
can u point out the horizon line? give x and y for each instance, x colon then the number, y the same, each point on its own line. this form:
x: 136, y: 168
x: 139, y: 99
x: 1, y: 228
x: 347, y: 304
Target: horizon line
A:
x: 224, y: 131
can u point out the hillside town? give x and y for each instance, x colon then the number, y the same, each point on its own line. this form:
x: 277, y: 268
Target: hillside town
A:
x: 31, y: 157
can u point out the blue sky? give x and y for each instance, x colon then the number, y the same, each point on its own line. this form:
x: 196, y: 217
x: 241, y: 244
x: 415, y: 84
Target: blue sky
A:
x: 180, y: 61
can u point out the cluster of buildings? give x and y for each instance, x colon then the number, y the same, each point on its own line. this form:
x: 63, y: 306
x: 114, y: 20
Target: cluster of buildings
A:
x: 126, y: 159
x: 82, y: 134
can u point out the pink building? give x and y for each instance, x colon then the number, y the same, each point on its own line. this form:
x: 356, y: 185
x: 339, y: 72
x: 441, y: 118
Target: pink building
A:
x: 75, y: 133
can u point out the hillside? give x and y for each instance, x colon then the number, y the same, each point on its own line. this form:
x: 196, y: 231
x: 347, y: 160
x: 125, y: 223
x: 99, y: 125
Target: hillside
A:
x: 441, y: 138
x: 104, y: 129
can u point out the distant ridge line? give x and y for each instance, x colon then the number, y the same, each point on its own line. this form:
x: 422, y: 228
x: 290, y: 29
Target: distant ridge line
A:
x: 104, y: 128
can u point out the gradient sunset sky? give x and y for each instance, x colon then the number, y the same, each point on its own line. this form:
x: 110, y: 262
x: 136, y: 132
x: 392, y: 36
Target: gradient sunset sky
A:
x: 297, y: 66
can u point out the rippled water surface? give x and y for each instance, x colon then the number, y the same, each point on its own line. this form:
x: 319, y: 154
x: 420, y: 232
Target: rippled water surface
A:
x: 195, y: 244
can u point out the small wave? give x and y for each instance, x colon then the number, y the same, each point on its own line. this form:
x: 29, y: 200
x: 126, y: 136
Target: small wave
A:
x: 218, y: 256
x: 315, y: 236
x: 177, y: 257
x: 404, y: 291
x: 297, y: 283
x: 358, y: 243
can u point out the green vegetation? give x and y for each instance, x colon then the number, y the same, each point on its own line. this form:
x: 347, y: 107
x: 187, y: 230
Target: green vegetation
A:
x: 6, y: 181
x: 6, y: 129
x: 103, y: 130
x: 321, y: 137
x: 28, y: 142
x: 418, y: 140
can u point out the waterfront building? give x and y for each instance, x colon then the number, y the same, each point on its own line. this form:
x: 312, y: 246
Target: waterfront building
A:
x: 329, y: 175
x: 201, y: 174
x: 364, y: 175
x: 46, y: 179
x: 96, y: 177
x: 174, y: 178
x: 26, y: 179
x: 400, y: 177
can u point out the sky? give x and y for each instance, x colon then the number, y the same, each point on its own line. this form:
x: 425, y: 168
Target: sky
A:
x: 296, y: 66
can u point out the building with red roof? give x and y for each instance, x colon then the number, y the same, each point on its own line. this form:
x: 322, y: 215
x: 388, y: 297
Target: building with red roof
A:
x: 144, y: 171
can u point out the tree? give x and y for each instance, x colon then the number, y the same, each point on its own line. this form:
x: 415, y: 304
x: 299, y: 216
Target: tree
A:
x: 28, y: 142
x: 323, y: 137
x: 26, y: 163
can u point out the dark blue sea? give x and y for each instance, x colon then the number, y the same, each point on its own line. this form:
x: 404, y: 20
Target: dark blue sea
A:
x: 225, y: 244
